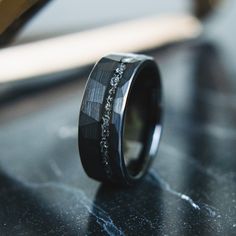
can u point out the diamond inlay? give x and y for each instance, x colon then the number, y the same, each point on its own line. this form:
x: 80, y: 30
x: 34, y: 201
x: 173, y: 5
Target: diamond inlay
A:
x: 106, y: 116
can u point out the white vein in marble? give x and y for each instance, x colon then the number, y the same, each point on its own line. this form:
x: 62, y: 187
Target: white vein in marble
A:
x: 101, y: 216
x: 169, y: 189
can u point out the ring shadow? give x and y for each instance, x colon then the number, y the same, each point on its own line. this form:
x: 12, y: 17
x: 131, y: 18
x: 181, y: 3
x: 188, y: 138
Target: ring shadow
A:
x: 129, y: 210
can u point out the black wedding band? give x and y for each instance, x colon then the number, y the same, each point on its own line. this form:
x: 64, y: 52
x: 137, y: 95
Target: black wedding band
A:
x: 120, y: 118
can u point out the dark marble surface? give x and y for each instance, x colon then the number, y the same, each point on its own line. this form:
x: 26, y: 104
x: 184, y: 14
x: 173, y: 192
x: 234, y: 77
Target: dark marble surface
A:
x: 190, y: 190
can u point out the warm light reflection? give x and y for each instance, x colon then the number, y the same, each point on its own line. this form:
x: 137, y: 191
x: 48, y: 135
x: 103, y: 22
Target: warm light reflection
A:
x: 79, y: 49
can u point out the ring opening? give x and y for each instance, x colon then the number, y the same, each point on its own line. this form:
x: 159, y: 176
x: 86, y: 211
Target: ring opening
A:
x: 142, y: 115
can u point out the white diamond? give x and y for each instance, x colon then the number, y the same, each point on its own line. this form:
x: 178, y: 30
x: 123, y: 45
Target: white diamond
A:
x: 105, y: 120
x: 111, y: 90
x: 109, y: 98
x: 114, y: 81
x: 108, y: 106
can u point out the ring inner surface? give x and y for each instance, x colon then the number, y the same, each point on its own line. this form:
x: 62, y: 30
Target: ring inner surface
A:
x: 141, y: 117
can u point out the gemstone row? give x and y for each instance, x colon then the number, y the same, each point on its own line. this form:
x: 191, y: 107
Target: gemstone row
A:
x: 106, y: 116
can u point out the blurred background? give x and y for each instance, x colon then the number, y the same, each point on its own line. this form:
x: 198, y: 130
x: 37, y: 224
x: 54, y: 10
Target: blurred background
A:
x: 45, y: 58
x: 63, y: 17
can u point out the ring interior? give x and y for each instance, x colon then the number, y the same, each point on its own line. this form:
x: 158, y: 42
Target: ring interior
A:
x: 142, y: 116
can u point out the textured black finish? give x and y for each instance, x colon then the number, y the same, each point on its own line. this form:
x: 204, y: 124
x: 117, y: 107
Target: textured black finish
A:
x: 191, y: 189
x: 95, y: 135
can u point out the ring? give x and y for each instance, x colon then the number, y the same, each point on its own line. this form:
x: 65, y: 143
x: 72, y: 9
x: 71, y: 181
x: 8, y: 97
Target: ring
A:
x: 120, y: 118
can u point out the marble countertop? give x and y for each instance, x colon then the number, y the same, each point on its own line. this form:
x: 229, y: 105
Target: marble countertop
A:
x: 191, y: 187
x: 190, y: 190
